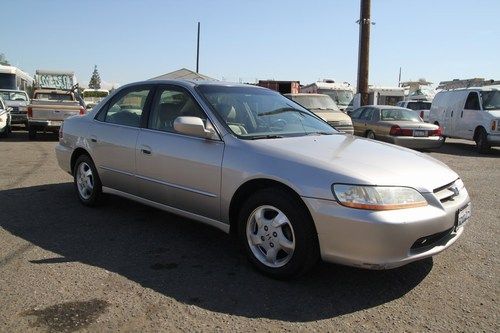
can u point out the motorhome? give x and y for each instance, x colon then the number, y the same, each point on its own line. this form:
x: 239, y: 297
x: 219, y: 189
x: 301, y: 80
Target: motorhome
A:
x: 12, y: 78
x: 341, y: 92
x: 469, y: 112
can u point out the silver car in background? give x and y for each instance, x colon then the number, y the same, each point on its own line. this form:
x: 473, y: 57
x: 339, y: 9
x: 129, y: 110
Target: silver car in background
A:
x: 400, y: 126
x: 253, y: 163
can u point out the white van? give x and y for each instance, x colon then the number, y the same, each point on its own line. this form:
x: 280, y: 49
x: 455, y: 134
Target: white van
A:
x: 471, y: 113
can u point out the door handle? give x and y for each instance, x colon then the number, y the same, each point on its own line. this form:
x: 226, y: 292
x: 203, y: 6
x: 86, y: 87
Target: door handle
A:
x: 93, y: 138
x: 146, y: 150
x: 461, y: 114
x: 452, y: 113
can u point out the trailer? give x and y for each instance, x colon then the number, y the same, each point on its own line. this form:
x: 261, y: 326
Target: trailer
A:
x: 341, y: 92
x: 283, y: 87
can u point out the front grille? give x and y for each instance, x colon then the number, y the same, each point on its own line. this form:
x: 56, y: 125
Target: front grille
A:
x: 445, y: 192
x: 15, y: 109
x: 428, y: 241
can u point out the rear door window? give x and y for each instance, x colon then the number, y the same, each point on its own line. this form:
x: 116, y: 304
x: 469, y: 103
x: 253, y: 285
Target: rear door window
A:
x: 127, y: 109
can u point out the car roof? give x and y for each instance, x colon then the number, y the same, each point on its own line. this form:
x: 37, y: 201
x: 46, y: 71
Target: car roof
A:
x: 195, y: 83
x: 384, y: 107
x: 305, y: 94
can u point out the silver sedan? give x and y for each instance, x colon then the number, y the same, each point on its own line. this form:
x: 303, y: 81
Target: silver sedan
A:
x: 257, y: 165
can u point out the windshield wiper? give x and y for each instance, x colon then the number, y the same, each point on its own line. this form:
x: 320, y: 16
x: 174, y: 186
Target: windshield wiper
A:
x: 318, y: 133
x: 267, y: 136
x: 281, y: 110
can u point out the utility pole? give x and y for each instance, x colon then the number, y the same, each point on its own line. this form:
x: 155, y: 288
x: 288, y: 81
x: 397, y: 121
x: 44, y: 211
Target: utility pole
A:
x: 198, y: 50
x: 364, y: 51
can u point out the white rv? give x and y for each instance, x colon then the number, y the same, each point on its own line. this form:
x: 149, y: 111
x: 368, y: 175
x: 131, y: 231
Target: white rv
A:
x: 469, y: 113
x: 341, y: 93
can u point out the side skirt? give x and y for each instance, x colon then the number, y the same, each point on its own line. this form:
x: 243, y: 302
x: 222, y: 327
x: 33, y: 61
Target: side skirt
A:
x: 214, y: 223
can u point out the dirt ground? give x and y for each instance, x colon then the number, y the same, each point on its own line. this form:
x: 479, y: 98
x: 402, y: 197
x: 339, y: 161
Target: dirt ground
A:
x: 128, y: 267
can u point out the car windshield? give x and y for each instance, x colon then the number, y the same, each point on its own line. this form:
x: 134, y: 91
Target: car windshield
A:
x: 256, y: 113
x: 54, y: 97
x: 14, y: 96
x: 316, y: 102
x: 399, y: 115
x: 491, y: 100
x: 341, y: 97
x: 417, y: 106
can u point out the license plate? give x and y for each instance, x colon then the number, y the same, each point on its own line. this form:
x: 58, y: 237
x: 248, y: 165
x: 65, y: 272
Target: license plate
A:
x: 55, y: 123
x: 419, y: 133
x: 463, y: 215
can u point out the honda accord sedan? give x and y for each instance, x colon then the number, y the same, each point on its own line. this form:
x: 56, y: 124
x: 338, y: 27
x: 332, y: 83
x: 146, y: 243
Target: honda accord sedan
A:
x: 255, y: 164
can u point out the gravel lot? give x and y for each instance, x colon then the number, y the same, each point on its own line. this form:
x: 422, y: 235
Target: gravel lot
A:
x: 128, y: 267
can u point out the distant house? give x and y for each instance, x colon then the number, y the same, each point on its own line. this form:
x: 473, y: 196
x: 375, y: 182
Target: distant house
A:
x: 183, y: 74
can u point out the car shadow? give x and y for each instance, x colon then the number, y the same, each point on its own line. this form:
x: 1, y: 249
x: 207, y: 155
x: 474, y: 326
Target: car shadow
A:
x: 190, y: 262
x: 22, y: 136
x: 464, y: 149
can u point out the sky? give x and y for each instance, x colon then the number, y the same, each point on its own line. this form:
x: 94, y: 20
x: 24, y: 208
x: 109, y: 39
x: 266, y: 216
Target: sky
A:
x: 249, y: 40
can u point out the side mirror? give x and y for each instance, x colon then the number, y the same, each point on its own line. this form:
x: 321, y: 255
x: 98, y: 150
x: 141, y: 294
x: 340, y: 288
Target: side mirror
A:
x: 194, y: 126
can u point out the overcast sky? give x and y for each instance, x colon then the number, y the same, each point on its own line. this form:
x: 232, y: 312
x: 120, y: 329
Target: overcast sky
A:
x: 248, y: 40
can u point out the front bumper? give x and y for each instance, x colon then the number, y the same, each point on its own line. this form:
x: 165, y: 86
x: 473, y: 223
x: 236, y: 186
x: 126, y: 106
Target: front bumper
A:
x: 417, y: 142
x: 384, y: 239
x: 494, y: 140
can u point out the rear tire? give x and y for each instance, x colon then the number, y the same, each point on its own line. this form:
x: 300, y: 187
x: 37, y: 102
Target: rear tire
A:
x: 481, y: 139
x: 86, y: 180
x: 370, y: 135
x: 277, y: 234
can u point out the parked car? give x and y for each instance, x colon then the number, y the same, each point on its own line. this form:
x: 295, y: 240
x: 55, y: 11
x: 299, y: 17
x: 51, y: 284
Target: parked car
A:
x: 49, y: 108
x: 396, y: 125
x: 324, y: 107
x: 420, y: 106
x: 251, y: 162
x: 5, y: 119
x: 18, y: 100
x: 471, y: 114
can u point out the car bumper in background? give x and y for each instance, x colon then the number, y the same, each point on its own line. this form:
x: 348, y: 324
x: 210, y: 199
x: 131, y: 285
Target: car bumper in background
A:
x: 417, y: 142
x: 494, y: 139
x: 385, y: 239
x: 46, y: 123
x: 19, y: 118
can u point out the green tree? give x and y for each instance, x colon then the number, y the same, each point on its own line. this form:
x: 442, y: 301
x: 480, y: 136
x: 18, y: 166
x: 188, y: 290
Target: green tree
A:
x: 3, y: 60
x: 95, y: 79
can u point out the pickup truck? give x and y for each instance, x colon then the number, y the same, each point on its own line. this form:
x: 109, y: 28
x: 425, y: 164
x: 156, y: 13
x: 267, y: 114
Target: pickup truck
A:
x: 49, y: 108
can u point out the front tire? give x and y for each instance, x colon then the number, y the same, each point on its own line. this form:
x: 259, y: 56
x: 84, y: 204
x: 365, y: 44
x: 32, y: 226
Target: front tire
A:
x: 86, y: 181
x: 482, y: 145
x: 277, y: 234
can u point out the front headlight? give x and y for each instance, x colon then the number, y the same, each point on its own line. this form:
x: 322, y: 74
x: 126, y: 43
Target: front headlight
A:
x: 377, y: 197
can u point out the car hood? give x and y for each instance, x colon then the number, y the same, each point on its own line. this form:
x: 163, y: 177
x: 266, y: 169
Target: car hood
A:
x: 330, y: 115
x: 347, y: 158
x: 495, y: 113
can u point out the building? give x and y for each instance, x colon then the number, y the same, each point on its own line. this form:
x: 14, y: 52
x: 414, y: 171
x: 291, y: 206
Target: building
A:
x: 183, y: 74
x: 283, y: 87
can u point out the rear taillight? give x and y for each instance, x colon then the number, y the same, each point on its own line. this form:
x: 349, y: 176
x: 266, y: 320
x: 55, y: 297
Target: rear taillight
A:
x: 30, y: 112
x: 436, y: 132
x: 61, y: 131
x: 398, y: 131
x: 82, y: 110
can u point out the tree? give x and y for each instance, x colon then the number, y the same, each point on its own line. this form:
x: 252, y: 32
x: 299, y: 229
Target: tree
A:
x: 95, y: 79
x: 3, y: 60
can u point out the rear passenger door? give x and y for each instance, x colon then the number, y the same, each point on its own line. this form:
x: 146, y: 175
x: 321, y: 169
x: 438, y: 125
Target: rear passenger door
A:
x: 113, y: 137
x: 365, y: 121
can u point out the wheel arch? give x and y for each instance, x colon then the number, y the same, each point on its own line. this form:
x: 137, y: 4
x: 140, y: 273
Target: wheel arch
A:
x: 251, y: 186
x: 76, y: 154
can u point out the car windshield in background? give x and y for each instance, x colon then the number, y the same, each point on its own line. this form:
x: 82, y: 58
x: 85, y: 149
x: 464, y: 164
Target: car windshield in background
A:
x: 399, y: 115
x: 315, y: 102
x: 341, y: 97
x: 491, y: 100
x: 54, y: 97
x: 255, y: 113
x: 14, y: 96
x: 417, y: 106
